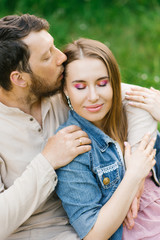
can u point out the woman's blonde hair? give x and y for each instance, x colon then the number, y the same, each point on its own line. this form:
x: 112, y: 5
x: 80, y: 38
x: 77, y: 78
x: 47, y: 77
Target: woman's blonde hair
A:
x: 115, y: 124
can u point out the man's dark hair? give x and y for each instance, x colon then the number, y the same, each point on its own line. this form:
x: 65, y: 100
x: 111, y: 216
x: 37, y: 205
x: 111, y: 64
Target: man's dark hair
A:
x: 14, y: 53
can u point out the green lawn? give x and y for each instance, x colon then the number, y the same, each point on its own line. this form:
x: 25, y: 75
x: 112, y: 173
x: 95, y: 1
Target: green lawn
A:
x: 130, y: 28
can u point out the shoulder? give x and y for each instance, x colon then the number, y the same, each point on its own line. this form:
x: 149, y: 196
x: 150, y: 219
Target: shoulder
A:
x: 70, y: 121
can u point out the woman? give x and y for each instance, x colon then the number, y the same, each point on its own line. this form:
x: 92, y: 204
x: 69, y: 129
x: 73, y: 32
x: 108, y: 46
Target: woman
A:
x: 146, y: 225
x: 95, y: 189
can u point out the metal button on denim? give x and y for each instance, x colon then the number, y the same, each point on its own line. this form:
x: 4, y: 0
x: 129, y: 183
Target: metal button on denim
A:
x: 106, y: 181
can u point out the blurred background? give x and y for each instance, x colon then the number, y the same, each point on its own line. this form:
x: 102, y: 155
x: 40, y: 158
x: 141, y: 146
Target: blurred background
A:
x: 130, y: 28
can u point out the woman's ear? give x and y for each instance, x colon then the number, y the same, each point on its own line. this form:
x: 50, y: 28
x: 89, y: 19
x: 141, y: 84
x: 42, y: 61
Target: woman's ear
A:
x: 17, y: 79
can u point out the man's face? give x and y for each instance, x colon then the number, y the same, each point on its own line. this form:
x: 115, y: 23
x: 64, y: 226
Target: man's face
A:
x: 45, y: 62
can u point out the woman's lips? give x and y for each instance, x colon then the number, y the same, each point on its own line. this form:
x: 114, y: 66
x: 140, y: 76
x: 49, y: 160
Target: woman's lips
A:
x: 94, y: 108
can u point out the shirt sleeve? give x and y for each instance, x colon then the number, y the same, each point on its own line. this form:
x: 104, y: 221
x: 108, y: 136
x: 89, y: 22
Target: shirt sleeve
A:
x: 19, y: 201
x: 139, y: 121
x: 80, y: 194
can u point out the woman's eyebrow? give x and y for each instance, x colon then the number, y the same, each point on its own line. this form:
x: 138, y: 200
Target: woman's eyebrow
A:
x: 75, y: 81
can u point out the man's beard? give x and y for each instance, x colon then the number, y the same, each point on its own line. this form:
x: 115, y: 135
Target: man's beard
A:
x: 40, y: 88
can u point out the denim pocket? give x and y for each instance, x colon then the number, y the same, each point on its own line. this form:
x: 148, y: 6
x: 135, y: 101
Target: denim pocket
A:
x: 108, y: 175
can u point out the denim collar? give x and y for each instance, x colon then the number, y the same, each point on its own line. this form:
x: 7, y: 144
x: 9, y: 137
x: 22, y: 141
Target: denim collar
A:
x: 97, y: 134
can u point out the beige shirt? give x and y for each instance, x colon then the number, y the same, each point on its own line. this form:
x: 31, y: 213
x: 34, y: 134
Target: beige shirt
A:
x: 140, y: 121
x: 29, y: 209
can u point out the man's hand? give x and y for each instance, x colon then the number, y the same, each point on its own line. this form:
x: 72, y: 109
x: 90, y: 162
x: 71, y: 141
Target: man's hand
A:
x: 65, y: 145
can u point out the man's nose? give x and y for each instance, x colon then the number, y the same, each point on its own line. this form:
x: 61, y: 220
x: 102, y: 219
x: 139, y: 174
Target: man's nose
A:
x: 61, y: 57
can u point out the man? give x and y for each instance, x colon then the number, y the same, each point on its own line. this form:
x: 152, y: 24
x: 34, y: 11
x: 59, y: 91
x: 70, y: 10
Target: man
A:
x: 30, y: 73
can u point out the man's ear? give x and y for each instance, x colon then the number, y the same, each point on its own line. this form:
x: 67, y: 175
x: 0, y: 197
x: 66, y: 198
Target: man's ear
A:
x: 17, y: 79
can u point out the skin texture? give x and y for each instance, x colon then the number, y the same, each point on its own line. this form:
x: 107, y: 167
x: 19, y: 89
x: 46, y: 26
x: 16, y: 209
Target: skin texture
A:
x: 89, y: 89
x: 46, y: 61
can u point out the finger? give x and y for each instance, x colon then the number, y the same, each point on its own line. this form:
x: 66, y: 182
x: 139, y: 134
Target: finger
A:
x: 131, y: 224
x: 153, y: 162
x: 127, y: 152
x: 127, y: 149
x: 79, y: 134
x: 144, y: 142
x: 139, y: 105
x: 70, y: 129
x: 154, y: 90
x: 83, y: 141
x: 131, y: 93
x: 140, y: 89
x: 134, y: 207
x: 141, y: 97
x: 149, y: 147
x: 82, y: 149
x: 152, y: 155
x: 129, y: 221
x: 125, y: 222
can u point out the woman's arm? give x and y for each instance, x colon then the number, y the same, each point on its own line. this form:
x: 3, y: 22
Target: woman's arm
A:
x: 81, y: 195
x: 114, y: 211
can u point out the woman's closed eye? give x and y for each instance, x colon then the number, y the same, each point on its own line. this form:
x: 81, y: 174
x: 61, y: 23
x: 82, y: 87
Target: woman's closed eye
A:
x: 80, y: 86
x: 102, y: 83
x: 99, y: 83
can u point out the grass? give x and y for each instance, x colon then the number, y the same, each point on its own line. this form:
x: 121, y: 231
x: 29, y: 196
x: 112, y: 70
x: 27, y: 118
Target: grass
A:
x: 129, y: 28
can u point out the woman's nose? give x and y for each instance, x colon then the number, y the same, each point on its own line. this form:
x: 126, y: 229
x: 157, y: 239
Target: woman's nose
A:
x: 93, y: 96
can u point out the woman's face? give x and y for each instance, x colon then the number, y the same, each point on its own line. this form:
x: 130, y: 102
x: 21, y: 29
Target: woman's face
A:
x: 89, y: 89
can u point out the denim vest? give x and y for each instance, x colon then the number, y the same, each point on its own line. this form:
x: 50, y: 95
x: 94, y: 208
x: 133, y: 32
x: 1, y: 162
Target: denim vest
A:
x: 88, y: 182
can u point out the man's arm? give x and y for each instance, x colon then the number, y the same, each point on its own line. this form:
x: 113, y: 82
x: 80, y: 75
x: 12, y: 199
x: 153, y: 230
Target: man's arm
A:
x: 19, y: 201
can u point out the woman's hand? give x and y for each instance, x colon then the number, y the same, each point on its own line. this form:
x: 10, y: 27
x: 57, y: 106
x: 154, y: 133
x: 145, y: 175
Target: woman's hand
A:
x: 141, y: 161
x: 147, y: 99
